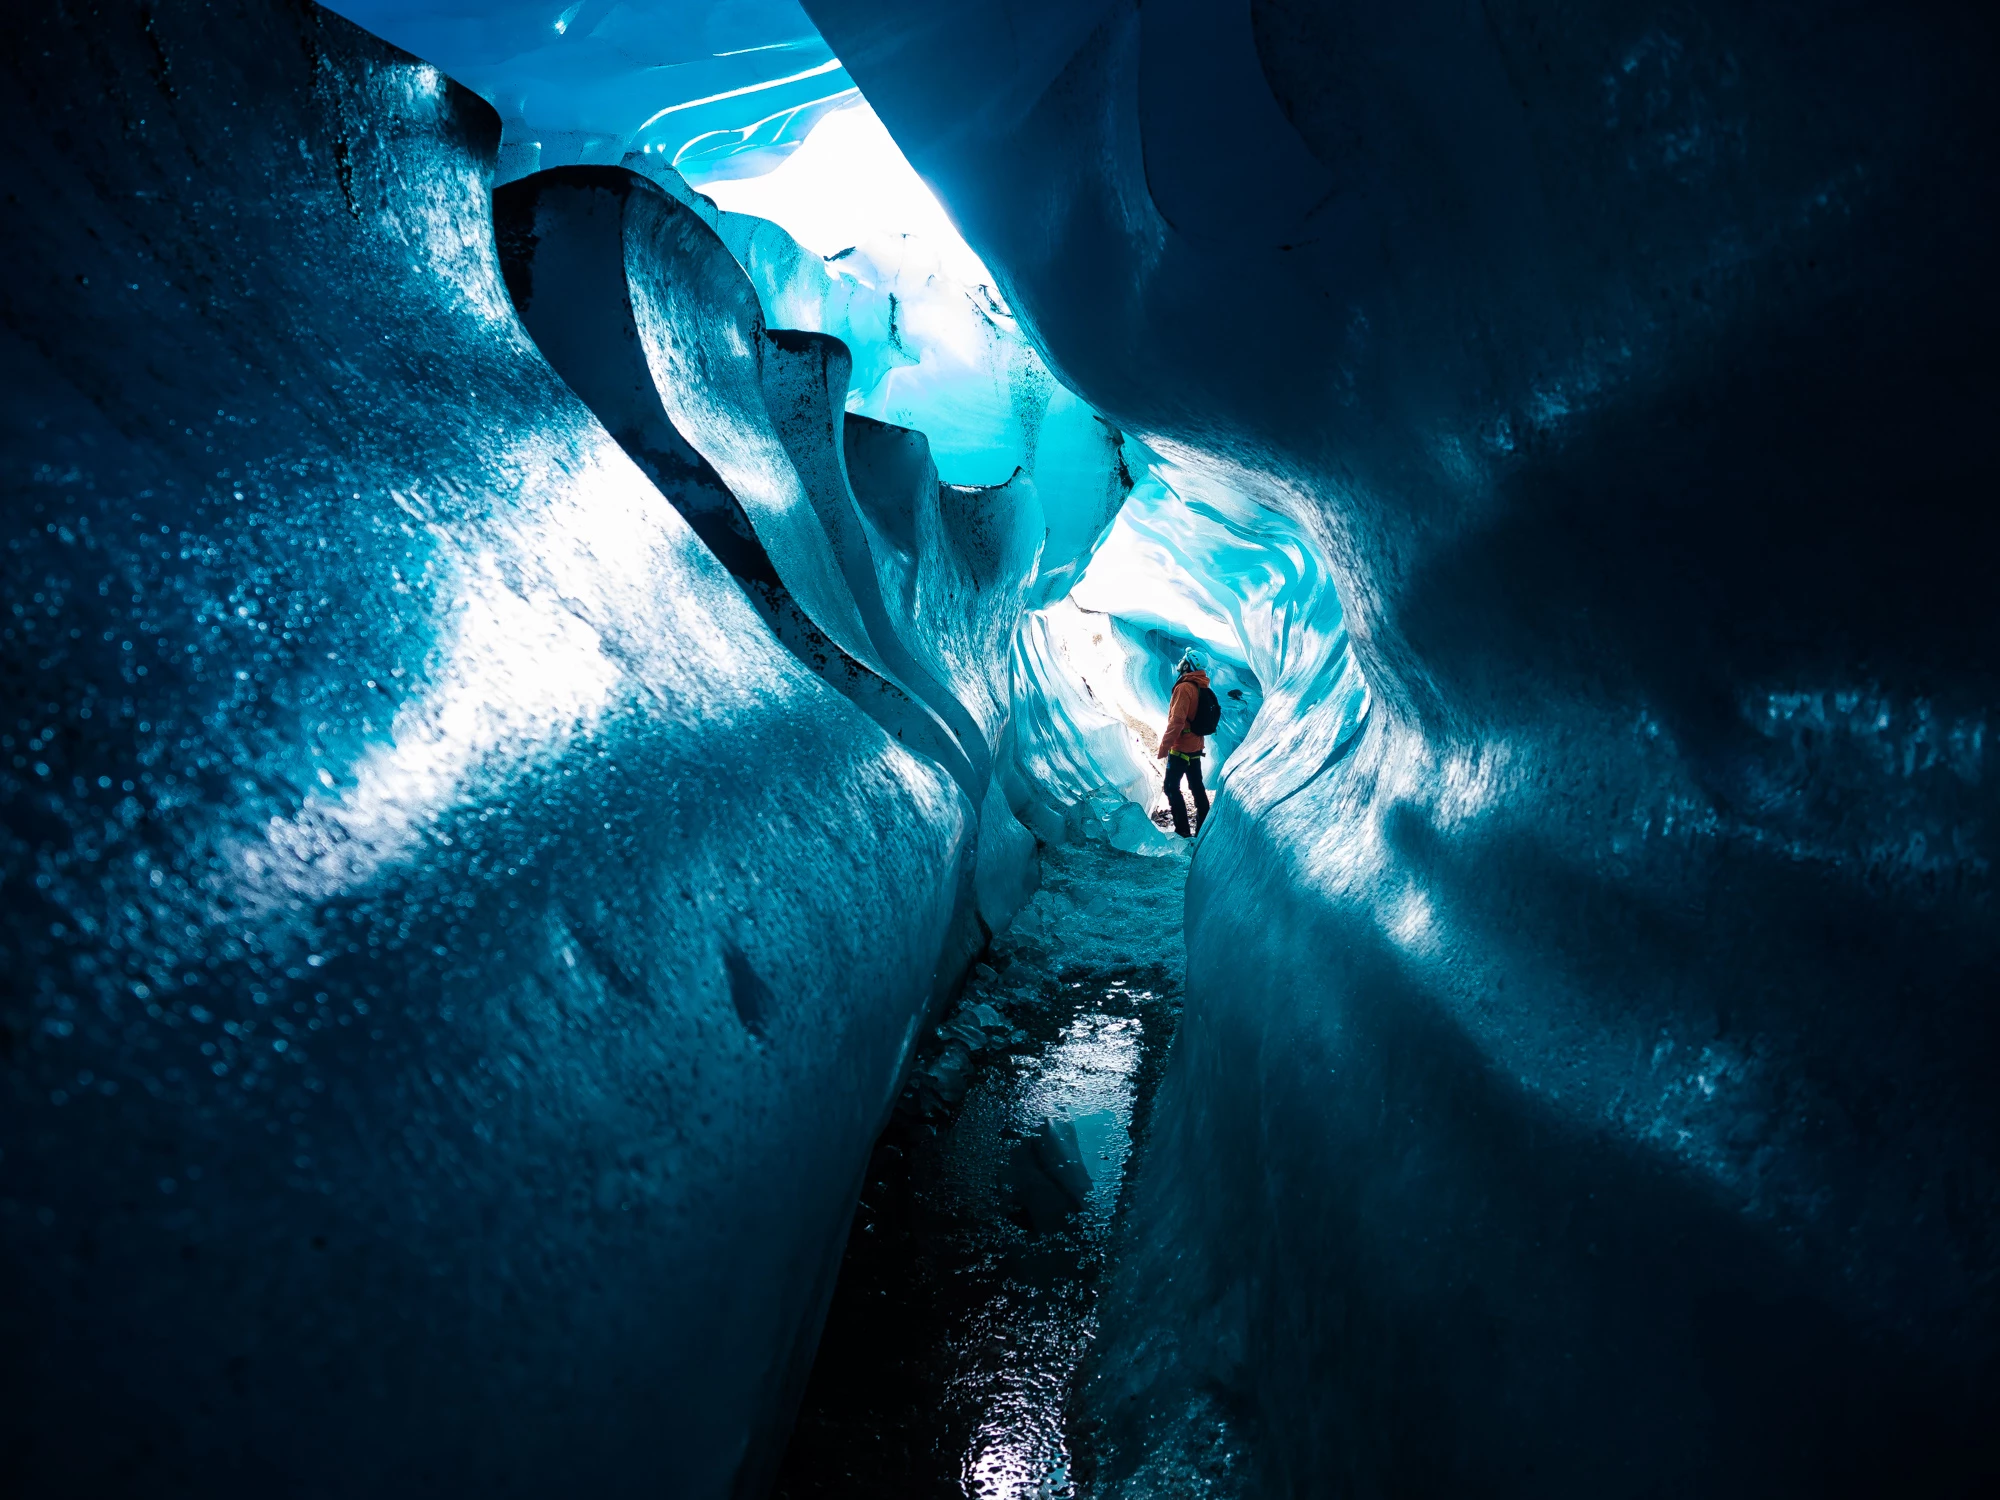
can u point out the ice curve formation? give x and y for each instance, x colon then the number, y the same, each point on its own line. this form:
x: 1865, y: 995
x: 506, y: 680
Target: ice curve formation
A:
x: 405, y: 910
x: 526, y: 689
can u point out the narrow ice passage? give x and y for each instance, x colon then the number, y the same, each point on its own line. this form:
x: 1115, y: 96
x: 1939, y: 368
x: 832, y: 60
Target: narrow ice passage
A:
x: 965, y: 1317
x: 587, y: 595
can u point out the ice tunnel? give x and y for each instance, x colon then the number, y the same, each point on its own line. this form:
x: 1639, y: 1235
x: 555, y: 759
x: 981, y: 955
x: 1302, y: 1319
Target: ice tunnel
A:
x: 591, y: 597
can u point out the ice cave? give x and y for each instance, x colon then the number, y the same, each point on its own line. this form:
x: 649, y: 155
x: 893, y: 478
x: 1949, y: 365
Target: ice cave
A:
x: 593, y: 597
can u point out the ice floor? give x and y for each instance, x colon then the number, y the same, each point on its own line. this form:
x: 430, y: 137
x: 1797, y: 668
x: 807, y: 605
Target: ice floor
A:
x: 967, y: 1300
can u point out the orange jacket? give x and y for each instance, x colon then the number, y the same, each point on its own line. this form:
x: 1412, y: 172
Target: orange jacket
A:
x: 1180, y: 708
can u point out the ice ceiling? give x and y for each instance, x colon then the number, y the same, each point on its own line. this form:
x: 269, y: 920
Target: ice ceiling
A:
x: 719, y: 89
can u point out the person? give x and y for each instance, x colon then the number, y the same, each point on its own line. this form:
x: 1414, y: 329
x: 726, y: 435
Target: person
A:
x: 1181, y: 748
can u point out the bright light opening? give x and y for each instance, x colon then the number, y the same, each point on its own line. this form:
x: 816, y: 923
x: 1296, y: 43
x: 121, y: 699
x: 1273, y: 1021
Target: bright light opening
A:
x: 846, y: 184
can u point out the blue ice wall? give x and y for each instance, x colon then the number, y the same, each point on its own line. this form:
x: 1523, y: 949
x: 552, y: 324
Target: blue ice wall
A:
x: 456, y: 956
x: 1192, y: 560
x: 929, y: 344
x: 902, y: 592
x: 1584, y: 1087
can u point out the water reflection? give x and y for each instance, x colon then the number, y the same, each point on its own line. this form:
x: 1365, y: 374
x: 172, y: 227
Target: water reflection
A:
x: 1068, y: 1118
x: 968, y: 1298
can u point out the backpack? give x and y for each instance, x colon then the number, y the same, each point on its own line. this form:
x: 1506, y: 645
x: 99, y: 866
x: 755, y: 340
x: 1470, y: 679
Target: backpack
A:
x: 1207, y: 713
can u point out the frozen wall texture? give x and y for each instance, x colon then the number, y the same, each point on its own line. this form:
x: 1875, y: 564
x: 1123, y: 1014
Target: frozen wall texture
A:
x: 643, y: 311
x: 456, y: 958
x: 942, y: 354
x: 901, y: 591
x: 1586, y: 1081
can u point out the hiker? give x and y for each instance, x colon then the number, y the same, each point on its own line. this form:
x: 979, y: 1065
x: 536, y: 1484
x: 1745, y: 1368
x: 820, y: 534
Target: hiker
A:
x: 1192, y: 713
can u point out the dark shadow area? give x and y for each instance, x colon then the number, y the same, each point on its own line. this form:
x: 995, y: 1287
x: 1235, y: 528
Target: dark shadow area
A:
x: 970, y: 1284
x: 1425, y: 1281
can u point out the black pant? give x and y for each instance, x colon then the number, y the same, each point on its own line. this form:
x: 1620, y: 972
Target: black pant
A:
x: 1190, y: 767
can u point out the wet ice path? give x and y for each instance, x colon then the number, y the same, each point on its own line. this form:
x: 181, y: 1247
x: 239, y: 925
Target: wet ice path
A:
x: 967, y: 1298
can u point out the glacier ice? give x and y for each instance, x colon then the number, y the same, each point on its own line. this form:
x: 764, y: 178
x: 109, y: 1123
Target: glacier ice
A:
x: 758, y: 410
x: 1583, y: 1085
x: 902, y: 591
x: 837, y: 237
x: 463, y: 948
x: 720, y: 89
x: 1190, y: 560
x: 934, y: 345
x: 434, y: 901
x: 990, y: 411
x: 512, y: 725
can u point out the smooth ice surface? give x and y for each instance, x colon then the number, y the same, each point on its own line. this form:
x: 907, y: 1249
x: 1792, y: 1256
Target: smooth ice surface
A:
x: 720, y: 89
x: 1583, y: 1087
x: 751, y: 107
x: 1190, y: 561
x: 854, y: 246
x: 457, y: 957
x: 580, y: 256
x: 1032, y: 476
x: 845, y: 239
x: 900, y: 591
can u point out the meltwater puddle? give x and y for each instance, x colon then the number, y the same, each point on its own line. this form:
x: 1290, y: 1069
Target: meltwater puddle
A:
x: 967, y: 1298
